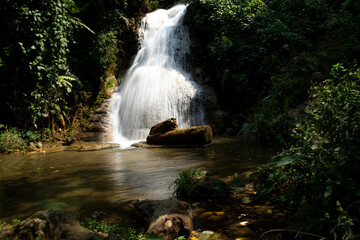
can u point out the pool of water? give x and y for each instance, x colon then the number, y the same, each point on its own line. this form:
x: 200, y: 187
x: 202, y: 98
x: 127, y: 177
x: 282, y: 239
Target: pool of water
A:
x: 99, y: 178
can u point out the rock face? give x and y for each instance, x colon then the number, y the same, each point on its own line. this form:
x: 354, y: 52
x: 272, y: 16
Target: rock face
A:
x: 96, y: 128
x: 167, y: 218
x: 45, y: 225
x: 166, y: 133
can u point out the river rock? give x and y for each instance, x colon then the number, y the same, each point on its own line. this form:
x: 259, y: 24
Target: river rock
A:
x: 45, y: 225
x: 163, y: 127
x: 167, y: 218
x: 198, y: 135
x: 80, y: 146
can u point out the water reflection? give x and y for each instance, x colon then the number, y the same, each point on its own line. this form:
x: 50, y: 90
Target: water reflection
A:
x: 99, y: 178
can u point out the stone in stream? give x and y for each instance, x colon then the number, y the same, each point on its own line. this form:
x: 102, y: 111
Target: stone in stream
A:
x: 167, y: 218
x: 166, y: 133
x: 163, y: 127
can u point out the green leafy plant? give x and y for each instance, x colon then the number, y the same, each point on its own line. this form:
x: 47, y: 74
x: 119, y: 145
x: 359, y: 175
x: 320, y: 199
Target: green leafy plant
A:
x: 192, y: 184
x: 318, y: 175
x: 127, y: 233
x: 186, y: 184
x: 5, y: 224
x: 11, y: 140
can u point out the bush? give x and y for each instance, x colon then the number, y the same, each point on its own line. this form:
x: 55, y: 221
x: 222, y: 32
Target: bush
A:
x: 318, y: 176
x: 192, y: 184
x: 256, y: 45
x: 186, y: 185
x: 11, y: 140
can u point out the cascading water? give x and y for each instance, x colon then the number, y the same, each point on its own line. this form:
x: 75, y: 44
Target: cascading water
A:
x: 158, y: 85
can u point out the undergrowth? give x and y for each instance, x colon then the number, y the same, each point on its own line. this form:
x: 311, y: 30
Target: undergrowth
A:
x: 318, y: 177
x: 123, y: 233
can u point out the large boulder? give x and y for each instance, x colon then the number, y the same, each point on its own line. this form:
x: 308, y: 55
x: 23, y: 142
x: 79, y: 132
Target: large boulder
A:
x: 45, y: 225
x: 165, y: 134
x: 163, y: 127
x: 167, y: 218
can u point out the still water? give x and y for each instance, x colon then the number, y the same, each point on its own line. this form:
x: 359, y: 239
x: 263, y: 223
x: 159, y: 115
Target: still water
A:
x: 99, y: 178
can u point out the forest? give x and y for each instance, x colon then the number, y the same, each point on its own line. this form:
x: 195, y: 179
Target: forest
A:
x: 285, y: 72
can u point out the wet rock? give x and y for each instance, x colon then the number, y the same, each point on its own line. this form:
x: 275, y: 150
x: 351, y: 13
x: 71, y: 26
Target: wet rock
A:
x: 90, y: 146
x: 143, y: 144
x: 46, y: 225
x: 96, y: 128
x: 168, y: 218
x: 209, y: 235
x: 199, y: 135
x: 163, y: 127
x: 96, y: 118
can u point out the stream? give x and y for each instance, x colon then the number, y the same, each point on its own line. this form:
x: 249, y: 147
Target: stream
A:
x: 95, y: 180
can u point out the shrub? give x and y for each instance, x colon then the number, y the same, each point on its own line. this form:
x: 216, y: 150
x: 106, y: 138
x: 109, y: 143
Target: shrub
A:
x: 11, y: 140
x: 192, y: 184
x: 318, y: 176
x: 186, y: 185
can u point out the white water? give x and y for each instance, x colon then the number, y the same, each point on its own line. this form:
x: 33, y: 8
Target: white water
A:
x: 157, y: 86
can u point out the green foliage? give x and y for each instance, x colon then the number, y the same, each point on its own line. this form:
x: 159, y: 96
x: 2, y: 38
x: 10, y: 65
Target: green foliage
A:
x: 14, y: 139
x: 37, y: 43
x: 110, y: 83
x: 121, y: 232
x: 271, y: 123
x: 5, y: 224
x: 107, y: 46
x: 272, y: 50
x: 192, y: 184
x: 11, y: 140
x: 181, y: 238
x: 186, y: 185
x: 250, y: 40
x: 319, y: 175
x: 50, y: 28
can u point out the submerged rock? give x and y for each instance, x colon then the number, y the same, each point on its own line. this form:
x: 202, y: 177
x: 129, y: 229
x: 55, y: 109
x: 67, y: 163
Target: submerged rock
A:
x: 45, y: 225
x: 80, y: 146
x: 165, y: 133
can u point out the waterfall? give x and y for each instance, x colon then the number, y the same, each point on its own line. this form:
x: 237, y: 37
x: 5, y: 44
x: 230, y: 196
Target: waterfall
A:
x: 158, y: 85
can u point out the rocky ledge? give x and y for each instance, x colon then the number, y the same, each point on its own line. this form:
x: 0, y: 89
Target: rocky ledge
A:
x: 78, y: 146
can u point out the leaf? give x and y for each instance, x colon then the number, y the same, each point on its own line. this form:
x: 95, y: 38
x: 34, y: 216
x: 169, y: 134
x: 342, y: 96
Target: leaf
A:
x: 236, y: 183
x: 288, y: 159
x: 218, y: 185
x: 328, y: 191
x: 265, y: 189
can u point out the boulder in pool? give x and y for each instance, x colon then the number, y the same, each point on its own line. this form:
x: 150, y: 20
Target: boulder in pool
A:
x: 165, y: 133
